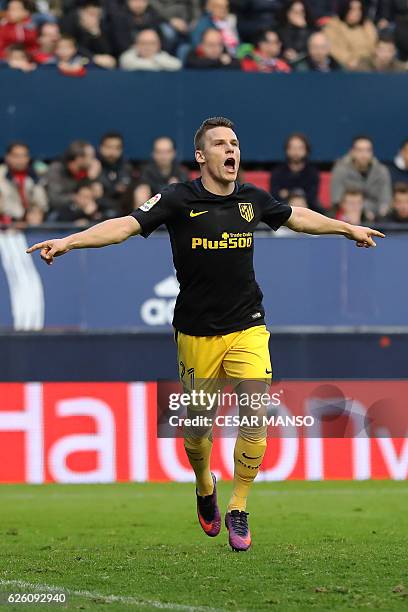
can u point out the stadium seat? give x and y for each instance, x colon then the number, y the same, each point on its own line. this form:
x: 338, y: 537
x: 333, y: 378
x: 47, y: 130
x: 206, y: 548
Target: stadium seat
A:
x: 261, y: 178
x: 324, y: 190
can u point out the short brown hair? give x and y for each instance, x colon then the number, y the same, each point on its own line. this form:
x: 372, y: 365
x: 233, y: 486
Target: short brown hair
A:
x: 352, y: 191
x: 400, y: 188
x: 209, y: 124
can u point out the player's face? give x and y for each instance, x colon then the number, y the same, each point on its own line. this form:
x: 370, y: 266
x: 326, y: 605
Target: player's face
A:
x: 221, y: 155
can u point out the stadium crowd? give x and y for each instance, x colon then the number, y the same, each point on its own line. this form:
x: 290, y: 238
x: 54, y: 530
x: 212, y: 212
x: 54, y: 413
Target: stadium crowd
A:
x: 76, y: 36
x: 88, y: 185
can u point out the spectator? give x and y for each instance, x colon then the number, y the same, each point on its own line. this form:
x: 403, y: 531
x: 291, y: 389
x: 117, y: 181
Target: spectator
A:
x: 211, y: 53
x: 399, y: 168
x: 20, y: 189
x: 351, y: 207
x: 85, y: 26
x: 17, y: 27
x: 82, y: 209
x: 35, y: 215
x: 69, y: 61
x: 163, y: 170
x: 384, y: 58
x: 394, y: 13
x: 297, y: 172
x: 318, y: 58
x: 147, y: 54
x: 266, y: 56
x: 78, y: 164
x: 116, y: 173
x: 48, y: 37
x: 297, y: 197
x: 351, y: 35
x: 217, y: 16
x: 255, y: 16
x: 399, y: 210
x: 359, y: 168
x: 17, y: 58
x: 295, y: 28
x: 177, y: 15
x: 126, y: 23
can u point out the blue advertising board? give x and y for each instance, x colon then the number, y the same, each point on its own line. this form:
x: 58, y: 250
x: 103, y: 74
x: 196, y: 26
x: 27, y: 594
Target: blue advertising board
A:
x: 312, y: 281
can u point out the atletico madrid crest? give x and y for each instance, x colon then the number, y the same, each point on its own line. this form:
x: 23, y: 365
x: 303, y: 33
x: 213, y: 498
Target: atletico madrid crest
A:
x: 246, y: 210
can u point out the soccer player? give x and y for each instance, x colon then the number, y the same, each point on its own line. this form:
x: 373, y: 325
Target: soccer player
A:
x: 218, y: 318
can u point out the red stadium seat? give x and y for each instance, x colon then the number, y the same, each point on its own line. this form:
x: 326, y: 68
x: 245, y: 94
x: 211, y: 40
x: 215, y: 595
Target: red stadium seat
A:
x: 324, y: 190
x: 261, y: 179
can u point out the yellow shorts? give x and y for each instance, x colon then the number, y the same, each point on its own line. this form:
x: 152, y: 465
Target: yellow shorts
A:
x: 241, y: 355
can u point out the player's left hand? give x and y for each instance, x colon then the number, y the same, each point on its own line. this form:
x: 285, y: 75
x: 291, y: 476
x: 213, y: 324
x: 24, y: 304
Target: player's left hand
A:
x: 363, y: 236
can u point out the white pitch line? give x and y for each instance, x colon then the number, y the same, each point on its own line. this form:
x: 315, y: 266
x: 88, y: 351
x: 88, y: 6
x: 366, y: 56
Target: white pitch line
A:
x: 127, y: 600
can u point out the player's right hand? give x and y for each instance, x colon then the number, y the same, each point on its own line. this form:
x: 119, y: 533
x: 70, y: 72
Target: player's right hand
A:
x: 50, y: 249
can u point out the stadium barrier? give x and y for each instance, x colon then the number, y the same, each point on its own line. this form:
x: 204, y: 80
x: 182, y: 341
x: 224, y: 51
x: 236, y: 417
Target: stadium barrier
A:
x: 265, y: 108
x: 313, y: 281
x: 145, y: 356
x: 95, y: 432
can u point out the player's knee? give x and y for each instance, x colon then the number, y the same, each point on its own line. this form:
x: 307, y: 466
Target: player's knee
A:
x: 197, y: 443
x: 253, y: 434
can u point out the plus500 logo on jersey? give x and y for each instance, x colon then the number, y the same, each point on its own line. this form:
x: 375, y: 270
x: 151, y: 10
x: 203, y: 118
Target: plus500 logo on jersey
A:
x: 228, y: 241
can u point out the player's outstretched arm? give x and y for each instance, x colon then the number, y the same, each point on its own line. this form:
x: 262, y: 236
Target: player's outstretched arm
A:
x: 310, y: 222
x: 108, y: 232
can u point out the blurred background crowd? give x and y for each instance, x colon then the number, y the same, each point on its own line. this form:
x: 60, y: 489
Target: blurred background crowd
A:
x: 76, y: 36
x: 89, y: 184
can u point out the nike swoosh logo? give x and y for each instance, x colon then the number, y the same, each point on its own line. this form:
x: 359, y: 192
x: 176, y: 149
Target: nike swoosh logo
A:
x: 196, y: 214
x: 247, y: 457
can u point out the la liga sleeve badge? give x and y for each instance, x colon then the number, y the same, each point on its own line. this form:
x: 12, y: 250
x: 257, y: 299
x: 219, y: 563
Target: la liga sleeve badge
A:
x: 150, y: 203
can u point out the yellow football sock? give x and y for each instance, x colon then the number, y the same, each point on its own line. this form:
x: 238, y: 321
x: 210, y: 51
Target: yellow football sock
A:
x: 199, y: 452
x: 248, y: 455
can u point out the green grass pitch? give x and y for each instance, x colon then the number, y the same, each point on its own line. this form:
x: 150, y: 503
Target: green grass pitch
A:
x: 316, y: 546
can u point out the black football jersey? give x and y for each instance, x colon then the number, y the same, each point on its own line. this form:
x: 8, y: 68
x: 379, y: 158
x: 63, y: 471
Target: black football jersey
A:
x: 212, y: 239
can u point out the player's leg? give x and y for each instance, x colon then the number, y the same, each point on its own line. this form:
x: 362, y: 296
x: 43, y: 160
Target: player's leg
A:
x: 200, y: 365
x: 248, y: 364
x: 250, y: 445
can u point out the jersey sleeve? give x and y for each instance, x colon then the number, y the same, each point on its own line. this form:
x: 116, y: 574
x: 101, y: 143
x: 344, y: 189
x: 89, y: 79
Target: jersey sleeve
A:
x: 158, y: 210
x: 274, y: 212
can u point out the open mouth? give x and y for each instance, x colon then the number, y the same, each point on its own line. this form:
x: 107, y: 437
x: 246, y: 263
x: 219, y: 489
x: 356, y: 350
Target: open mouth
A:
x: 230, y: 164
